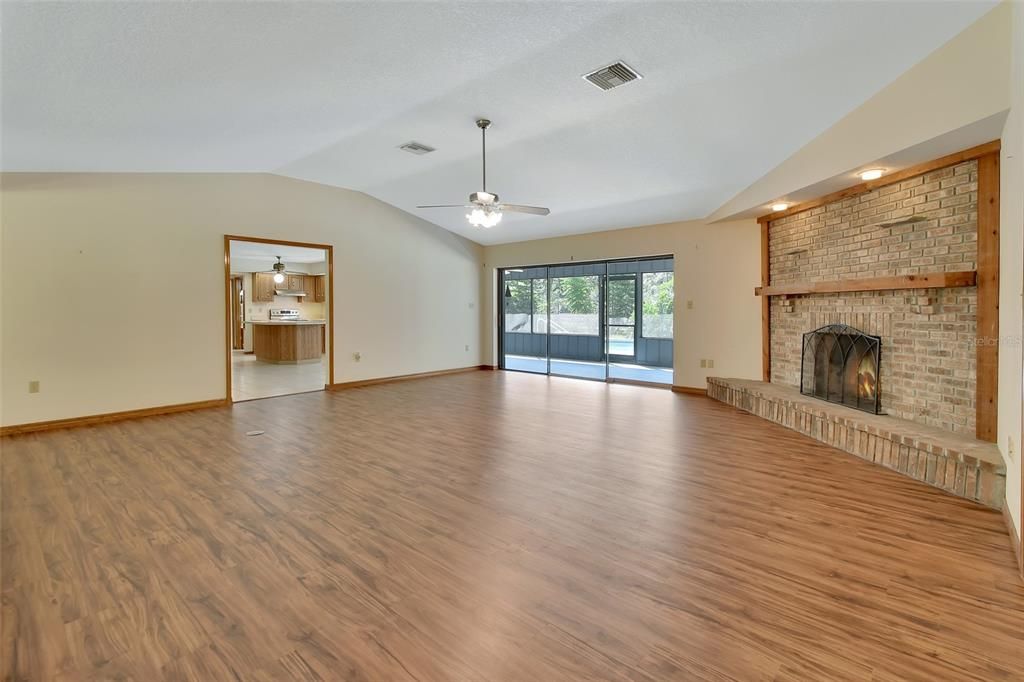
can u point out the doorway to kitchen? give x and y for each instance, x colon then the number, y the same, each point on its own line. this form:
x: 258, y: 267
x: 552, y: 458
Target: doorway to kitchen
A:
x: 280, y: 331
x: 604, y: 320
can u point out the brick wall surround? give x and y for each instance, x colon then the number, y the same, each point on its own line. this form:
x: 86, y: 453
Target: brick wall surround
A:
x: 929, y: 358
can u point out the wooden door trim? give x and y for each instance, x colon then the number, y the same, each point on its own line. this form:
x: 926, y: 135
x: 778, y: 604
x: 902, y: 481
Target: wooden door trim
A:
x: 329, y: 248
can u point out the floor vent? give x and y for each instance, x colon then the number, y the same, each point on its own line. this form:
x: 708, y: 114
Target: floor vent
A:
x: 612, y: 76
x: 416, y: 148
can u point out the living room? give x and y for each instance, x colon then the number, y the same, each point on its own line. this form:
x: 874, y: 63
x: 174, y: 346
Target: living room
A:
x: 732, y: 391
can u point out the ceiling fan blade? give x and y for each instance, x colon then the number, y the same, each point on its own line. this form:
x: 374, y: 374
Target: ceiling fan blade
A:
x: 516, y: 208
x: 446, y: 206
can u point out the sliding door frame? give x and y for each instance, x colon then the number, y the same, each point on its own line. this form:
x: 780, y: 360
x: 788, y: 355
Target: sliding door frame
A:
x: 602, y: 313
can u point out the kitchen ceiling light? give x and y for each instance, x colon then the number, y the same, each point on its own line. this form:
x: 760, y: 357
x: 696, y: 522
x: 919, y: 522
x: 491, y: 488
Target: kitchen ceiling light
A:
x: 483, y: 217
x: 780, y: 206
x: 278, y: 271
x: 871, y: 174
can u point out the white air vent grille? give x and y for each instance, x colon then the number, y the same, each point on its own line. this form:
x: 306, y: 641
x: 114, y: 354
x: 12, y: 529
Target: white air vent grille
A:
x: 612, y: 76
x: 416, y: 148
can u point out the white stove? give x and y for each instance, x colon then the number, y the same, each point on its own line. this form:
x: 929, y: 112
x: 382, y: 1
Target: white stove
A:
x: 283, y: 314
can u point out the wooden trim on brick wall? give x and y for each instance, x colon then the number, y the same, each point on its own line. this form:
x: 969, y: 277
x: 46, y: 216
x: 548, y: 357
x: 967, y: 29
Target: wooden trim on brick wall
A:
x: 921, y: 168
x: 93, y: 419
x: 987, y: 383
x: 930, y: 280
x: 766, y: 308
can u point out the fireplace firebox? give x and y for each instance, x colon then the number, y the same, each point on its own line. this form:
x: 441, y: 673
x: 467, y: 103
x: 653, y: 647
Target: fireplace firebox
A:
x: 840, y: 364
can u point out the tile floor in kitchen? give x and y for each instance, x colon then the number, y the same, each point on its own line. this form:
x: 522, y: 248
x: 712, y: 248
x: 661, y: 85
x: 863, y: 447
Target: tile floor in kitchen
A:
x: 251, y: 378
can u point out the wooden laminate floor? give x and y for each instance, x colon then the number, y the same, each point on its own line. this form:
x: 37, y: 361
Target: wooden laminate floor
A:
x: 490, y: 526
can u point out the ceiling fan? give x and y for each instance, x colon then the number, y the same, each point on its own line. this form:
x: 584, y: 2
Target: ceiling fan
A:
x: 279, y: 271
x: 485, y: 207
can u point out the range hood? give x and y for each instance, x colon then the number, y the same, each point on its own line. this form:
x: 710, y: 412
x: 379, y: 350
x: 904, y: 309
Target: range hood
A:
x: 289, y: 292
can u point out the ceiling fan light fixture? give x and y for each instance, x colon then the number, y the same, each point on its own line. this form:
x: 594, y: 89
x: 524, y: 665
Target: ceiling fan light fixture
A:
x: 481, y: 217
x: 278, y: 268
x: 485, y: 208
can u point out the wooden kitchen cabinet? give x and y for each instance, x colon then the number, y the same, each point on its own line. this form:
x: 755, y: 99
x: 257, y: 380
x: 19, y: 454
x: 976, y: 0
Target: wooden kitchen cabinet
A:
x: 263, y: 287
x: 294, y: 282
x: 320, y: 292
x: 309, y: 286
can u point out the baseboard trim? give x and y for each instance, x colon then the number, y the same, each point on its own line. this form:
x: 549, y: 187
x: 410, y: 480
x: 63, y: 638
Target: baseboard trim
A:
x: 91, y: 420
x: 637, y: 382
x: 689, y: 390
x: 1018, y: 551
x: 403, y: 377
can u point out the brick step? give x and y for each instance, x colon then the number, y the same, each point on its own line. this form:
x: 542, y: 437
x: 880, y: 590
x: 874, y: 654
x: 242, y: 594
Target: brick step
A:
x: 964, y: 466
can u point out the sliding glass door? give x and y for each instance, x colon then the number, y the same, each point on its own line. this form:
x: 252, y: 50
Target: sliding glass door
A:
x: 525, y: 319
x: 621, y: 318
x: 575, y: 340
x: 608, y: 320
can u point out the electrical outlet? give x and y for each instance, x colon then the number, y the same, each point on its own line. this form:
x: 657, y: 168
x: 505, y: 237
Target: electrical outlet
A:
x: 1010, y: 449
x: 703, y: 363
x: 689, y: 305
x: 33, y: 386
x: 467, y: 346
x: 357, y: 356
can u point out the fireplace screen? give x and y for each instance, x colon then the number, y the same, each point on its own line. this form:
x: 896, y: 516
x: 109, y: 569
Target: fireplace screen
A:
x: 840, y: 364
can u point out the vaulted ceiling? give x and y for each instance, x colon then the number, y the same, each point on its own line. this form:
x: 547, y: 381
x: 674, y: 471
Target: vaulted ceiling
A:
x: 327, y: 92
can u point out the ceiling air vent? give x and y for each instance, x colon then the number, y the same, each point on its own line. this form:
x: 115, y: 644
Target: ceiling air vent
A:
x: 416, y: 148
x: 612, y: 76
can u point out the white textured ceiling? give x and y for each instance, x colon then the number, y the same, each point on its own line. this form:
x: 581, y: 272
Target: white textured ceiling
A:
x: 327, y: 91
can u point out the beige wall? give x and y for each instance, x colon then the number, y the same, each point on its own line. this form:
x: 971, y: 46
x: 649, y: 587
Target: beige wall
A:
x: 716, y: 267
x: 1011, y: 269
x: 407, y: 291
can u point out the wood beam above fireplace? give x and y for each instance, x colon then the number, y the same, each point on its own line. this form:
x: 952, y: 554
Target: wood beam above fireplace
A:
x: 930, y: 280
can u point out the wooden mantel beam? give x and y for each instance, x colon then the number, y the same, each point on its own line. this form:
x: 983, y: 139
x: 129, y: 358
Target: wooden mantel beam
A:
x: 931, y: 280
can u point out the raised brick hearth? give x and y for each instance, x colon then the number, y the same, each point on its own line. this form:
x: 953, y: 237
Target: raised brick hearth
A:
x: 954, y: 462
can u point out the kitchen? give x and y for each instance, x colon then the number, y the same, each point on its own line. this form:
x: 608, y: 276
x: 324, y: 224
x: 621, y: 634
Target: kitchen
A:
x: 279, y: 319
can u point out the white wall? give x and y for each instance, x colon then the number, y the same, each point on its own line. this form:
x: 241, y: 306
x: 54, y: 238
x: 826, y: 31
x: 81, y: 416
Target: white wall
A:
x: 1011, y: 271
x: 716, y: 267
x: 407, y: 291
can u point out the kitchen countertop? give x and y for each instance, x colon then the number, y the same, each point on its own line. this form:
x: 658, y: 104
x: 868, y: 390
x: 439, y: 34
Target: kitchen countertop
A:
x: 281, y: 323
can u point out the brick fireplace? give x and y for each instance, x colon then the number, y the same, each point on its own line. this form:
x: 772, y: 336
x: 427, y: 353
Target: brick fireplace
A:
x: 910, y: 260
x: 928, y: 370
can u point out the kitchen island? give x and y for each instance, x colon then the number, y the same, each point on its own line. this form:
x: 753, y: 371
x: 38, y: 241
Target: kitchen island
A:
x: 287, y: 341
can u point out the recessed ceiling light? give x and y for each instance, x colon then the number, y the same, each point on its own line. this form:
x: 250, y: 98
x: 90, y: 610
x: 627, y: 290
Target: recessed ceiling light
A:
x: 871, y: 174
x: 780, y: 206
